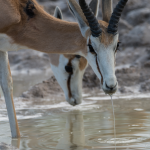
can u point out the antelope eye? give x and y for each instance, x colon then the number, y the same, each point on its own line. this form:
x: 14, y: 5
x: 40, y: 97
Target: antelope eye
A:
x: 69, y: 69
x: 91, y: 49
x: 78, y: 56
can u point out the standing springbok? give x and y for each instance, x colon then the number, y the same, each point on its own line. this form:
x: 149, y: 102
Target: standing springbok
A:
x: 25, y: 24
x: 69, y: 70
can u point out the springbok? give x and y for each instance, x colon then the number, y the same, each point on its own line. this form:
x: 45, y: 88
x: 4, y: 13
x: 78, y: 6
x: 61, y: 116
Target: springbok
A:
x: 25, y: 24
x: 69, y: 70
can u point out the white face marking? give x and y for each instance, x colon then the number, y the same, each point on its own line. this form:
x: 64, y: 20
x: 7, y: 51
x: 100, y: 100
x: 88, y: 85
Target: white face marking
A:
x: 62, y: 77
x: 103, y: 62
x: 7, y: 44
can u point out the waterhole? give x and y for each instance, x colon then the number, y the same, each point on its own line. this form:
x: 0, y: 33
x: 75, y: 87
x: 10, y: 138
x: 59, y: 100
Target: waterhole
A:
x: 85, y: 127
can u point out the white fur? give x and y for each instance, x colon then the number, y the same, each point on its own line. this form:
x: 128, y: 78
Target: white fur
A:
x: 62, y: 75
x: 105, y: 55
x: 106, y: 61
x: 76, y: 79
x: 7, y: 44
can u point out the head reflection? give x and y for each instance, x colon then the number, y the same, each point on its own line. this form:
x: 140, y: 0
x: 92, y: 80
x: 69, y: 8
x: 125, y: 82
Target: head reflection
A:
x: 73, y: 135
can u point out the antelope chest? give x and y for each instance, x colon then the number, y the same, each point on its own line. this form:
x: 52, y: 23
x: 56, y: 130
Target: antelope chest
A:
x: 7, y: 44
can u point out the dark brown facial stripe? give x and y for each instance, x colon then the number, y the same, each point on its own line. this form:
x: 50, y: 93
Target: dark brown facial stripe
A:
x: 68, y: 85
x: 97, y: 66
x: 69, y: 79
x: 115, y: 58
x: 99, y: 71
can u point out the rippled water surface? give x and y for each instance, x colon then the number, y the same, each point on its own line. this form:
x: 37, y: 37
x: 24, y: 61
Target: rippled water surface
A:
x: 86, y: 127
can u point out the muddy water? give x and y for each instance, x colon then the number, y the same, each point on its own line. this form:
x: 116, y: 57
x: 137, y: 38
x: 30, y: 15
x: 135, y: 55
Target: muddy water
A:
x: 86, y: 127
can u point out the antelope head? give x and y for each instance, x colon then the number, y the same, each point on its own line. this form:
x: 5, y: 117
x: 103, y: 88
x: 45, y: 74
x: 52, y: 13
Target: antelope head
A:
x: 68, y: 70
x: 102, y: 38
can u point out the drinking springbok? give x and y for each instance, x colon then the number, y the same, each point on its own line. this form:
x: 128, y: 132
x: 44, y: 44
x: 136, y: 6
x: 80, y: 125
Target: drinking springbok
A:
x: 69, y: 70
x: 25, y: 24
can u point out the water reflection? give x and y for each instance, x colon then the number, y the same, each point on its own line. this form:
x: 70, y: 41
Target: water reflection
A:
x: 16, y: 143
x: 87, y: 127
x: 73, y: 135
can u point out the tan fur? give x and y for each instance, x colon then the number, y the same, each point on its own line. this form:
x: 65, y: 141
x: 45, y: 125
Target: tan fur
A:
x: 82, y: 63
x: 69, y: 56
x: 11, y: 90
x: 105, y: 37
x: 9, y: 14
x: 43, y: 32
x: 54, y: 59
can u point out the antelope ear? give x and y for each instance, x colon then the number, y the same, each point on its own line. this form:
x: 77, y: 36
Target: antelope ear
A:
x: 58, y: 13
x: 94, y: 5
x: 107, y: 10
x: 77, y: 12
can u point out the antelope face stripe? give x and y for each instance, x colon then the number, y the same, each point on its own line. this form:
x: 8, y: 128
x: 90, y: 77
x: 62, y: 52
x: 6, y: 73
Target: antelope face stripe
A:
x: 68, y: 85
x: 99, y: 71
x: 70, y: 71
x: 91, y: 49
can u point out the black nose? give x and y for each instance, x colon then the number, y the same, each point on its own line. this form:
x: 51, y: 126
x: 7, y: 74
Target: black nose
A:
x: 111, y: 88
x: 74, y: 103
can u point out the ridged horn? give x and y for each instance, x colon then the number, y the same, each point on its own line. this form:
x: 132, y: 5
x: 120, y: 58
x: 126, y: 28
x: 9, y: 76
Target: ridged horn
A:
x: 114, y: 20
x: 93, y: 22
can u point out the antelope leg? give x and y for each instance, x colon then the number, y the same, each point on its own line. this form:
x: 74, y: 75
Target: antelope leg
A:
x: 7, y: 87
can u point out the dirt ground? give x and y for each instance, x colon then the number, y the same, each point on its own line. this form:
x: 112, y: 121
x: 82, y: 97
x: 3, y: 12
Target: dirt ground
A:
x: 132, y: 62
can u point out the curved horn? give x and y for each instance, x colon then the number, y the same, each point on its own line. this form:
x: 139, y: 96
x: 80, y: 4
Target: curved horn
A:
x: 93, y: 23
x: 114, y: 20
x: 107, y: 10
